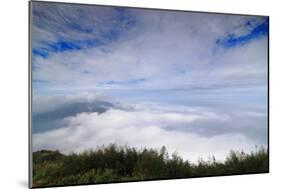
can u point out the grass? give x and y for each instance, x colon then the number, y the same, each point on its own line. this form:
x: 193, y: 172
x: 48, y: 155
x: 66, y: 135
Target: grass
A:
x: 115, y: 163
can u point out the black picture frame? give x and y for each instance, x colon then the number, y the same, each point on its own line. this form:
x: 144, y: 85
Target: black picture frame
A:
x: 129, y: 7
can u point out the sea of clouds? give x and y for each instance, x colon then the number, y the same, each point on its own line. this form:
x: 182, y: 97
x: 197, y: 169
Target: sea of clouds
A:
x: 192, y: 132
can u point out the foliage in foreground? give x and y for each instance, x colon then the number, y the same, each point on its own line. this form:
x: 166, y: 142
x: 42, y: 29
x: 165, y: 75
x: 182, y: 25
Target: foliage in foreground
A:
x: 115, y: 163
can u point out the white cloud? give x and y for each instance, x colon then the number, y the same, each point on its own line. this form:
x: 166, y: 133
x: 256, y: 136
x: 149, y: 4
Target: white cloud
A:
x: 144, y: 128
x: 167, y: 49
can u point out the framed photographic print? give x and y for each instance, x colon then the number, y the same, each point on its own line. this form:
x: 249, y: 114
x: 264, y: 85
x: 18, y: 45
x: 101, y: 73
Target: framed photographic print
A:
x: 121, y: 94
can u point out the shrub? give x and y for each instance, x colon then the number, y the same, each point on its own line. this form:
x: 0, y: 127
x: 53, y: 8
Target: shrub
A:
x: 115, y: 163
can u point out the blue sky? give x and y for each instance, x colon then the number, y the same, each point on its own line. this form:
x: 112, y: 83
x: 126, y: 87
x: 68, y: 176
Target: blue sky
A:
x: 138, y: 60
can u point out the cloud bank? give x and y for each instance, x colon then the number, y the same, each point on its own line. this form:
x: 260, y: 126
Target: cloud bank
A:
x: 193, y: 132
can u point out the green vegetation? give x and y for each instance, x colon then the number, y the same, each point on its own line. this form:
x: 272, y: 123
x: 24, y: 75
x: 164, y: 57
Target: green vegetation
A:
x: 115, y: 163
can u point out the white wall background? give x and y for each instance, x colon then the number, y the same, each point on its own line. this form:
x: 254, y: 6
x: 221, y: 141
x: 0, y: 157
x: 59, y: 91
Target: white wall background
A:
x: 14, y: 93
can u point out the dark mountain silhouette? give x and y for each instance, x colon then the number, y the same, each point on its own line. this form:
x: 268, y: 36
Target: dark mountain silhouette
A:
x: 53, y: 119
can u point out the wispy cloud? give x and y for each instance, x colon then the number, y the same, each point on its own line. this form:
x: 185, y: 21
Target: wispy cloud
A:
x: 251, y: 31
x: 58, y: 28
x: 146, y: 49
